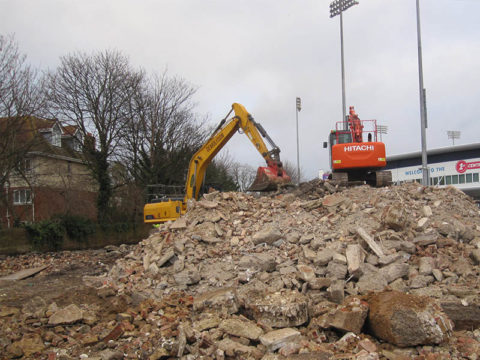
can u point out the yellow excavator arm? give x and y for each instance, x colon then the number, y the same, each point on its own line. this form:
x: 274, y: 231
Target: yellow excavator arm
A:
x: 268, y: 178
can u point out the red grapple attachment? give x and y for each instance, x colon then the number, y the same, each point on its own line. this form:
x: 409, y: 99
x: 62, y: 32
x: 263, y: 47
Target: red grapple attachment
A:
x: 269, y: 178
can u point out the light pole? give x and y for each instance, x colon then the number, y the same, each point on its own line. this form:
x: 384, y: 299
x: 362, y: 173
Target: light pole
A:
x: 423, y: 110
x: 337, y: 7
x: 382, y: 129
x: 298, y: 108
x: 453, y: 135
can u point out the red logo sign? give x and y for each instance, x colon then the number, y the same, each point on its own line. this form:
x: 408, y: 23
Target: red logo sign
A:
x: 463, y: 166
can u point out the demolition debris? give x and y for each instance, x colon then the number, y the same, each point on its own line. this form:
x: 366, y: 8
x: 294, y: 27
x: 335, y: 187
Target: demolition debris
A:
x: 320, y: 272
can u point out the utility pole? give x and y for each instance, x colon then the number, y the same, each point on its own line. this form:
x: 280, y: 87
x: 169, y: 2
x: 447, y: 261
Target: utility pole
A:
x: 423, y: 110
x: 337, y: 7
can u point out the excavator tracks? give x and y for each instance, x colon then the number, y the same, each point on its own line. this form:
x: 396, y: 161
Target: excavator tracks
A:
x: 376, y: 178
x: 383, y: 178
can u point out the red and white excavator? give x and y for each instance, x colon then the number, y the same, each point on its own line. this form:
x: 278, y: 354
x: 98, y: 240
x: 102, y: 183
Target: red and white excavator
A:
x: 356, y: 155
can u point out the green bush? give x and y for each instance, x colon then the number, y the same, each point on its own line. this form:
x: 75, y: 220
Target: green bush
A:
x: 118, y: 227
x: 46, y: 235
x: 77, y: 228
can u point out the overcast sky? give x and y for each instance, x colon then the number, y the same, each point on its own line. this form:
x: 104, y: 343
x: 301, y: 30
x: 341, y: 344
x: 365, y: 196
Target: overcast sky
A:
x: 265, y: 53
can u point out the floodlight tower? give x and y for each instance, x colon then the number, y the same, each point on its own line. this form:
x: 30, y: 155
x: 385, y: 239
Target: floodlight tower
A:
x: 423, y: 104
x: 298, y: 103
x: 453, y: 135
x: 337, y: 7
x: 382, y: 129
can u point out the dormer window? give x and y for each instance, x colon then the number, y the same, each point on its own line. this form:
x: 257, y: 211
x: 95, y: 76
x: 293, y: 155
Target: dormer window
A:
x: 77, y: 142
x: 56, y: 136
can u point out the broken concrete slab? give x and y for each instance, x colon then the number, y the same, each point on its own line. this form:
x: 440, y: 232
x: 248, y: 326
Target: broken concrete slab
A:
x: 370, y: 242
x: 268, y: 235
x: 179, y: 224
x: 394, y: 217
x: 23, y: 274
x: 395, y: 271
x: 464, y: 316
x: 426, y: 265
x: 275, y: 339
x: 373, y: 281
x: 349, y: 317
x: 355, y: 257
x: 281, y: 309
x: 221, y: 300
x: 165, y: 258
x: 306, y: 273
x: 258, y: 261
x: 241, y: 328
x: 407, y: 320
x: 68, y: 315
x: 324, y: 256
x: 238, y: 350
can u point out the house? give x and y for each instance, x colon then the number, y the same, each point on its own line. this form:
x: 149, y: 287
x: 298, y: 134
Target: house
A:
x: 50, y: 176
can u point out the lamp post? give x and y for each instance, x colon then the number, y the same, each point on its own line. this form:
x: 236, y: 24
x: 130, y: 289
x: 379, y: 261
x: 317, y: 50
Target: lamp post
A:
x: 298, y: 108
x: 423, y: 111
x: 337, y: 7
x: 382, y: 129
x: 453, y: 135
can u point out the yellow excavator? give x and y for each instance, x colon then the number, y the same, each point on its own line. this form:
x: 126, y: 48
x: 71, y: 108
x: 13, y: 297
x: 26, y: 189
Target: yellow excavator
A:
x: 268, y: 178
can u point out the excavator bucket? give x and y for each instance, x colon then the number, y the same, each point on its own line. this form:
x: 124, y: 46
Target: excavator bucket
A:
x: 269, y: 179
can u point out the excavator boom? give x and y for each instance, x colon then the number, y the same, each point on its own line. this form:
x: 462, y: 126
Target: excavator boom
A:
x: 268, y: 177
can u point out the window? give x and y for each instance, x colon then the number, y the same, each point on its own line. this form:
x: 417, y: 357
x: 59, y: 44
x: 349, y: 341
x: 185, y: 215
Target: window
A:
x: 442, y: 181
x: 28, y: 165
x: 454, y: 179
x: 77, y: 145
x: 22, y: 197
x: 469, y: 178
x: 475, y: 177
x: 461, y: 179
x: 78, y: 142
x: 56, y: 136
x: 48, y: 136
x: 448, y: 179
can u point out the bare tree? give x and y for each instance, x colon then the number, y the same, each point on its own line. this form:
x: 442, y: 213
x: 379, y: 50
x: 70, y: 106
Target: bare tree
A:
x: 20, y: 86
x: 243, y: 175
x: 20, y: 97
x: 163, y: 131
x: 93, y: 93
x: 291, y: 170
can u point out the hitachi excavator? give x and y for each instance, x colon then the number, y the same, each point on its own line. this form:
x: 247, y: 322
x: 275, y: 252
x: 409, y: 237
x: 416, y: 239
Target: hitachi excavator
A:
x: 354, y: 159
x: 268, y: 177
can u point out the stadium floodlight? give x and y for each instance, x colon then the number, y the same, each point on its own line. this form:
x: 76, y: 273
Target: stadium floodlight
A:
x: 337, y: 7
x: 298, y: 103
x: 453, y: 135
x: 423, y: 109
x: 382, y: 129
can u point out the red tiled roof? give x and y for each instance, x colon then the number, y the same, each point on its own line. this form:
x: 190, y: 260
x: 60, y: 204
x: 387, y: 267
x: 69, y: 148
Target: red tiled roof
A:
x: 69, y: 130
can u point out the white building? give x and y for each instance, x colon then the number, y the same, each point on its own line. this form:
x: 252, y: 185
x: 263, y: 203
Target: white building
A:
x: 454, y: 165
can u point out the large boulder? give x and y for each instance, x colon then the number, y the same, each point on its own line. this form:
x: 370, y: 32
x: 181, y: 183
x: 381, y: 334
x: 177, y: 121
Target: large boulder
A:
x: 407, y: 320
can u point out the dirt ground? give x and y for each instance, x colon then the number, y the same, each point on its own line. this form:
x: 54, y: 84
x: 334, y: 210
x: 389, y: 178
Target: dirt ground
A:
x: 61, y: 282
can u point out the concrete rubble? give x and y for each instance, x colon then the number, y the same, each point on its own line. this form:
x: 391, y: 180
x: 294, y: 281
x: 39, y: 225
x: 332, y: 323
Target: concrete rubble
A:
x: 317, y: 272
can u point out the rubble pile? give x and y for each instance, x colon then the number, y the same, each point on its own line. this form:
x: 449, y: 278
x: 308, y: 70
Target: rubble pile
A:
x: 319, y: 272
